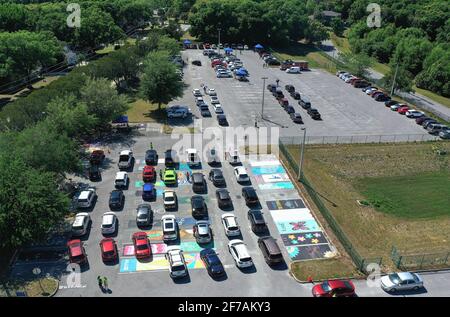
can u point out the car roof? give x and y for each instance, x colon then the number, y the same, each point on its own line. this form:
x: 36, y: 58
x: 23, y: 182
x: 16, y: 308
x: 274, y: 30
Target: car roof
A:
x: 75, y: 247
x: 223, y: 193
x: 241, y: 249
x: 107, y: 244
x: 169, y: 193
x: 405, y: 276
x: 120, y: 175
x: 79, y: 218
x: 125, y: 152
x: 116, y: 193
x: 191, y: 151
x: 148, y: 187
x: 84, y: 194
x: 339, y: 284
x: 108, y: 218
x: 241, y: 170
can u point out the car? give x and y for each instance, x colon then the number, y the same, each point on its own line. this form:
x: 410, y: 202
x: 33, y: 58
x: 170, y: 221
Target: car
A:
x: 148, y: 191
x: 96, y: 157
x: 314, y: 113
x: 376, y: 93
x: 343, y: 73
x: 86, y: 198
x: 218, y: 108
x: 193, y: 160
x: 289, y: 88
x: 202, y: 232
x: 239, y: 253
x: 271, y: 87
x: 121, y: 180
x: 233, y: 157
x: 245, y: 47
x: 169, y: 176
x: 257, y: 222
x: 212, y: 92
x: 169, y: 227
x: 116, y: 199
x: 148, y: 174
x: 436, y: 128
x: 224, y: 75
x: 390, y: 103
x: 223, y: 198
x: 250, y: 196
x: 296, y: 117
x: 273, y: 61
x: 373, y: 91
x: 222, y: 120
x: 230, y: 225
x: 420, y: 120
x: 177, y: 263
x: 349, y: 79
x: 196, y: 62
x: 361, y: 84
x: 401, y: 281
x: 126, y: 160
x: 214, y: 100
x: 398, y: 106
x: 108, y: 250
x: 197, y: 92
x: 204, y: 110
x: 270, y: 250
x: 216, y: 176
x: 142, y: 247
x: 370, y: 90
x: 151, y: 157
x: 334, y: 288
x: 144, y: 215
x: 170, y: 158
x: 94, y: 173
x: 77, y: 253
x: 212, y: 263
x: 445, y: 134
x: 199, y: 101
x: 382, y: 97
x: 213, y: 156
x: 198, y: 207
x: 283, y: 102
x: 289, y: 109
x: 198, y: 183
x: 366, y: 89
x: 241, y: 174
x: 293, y: 70
x: 414, y: 113
x: 179, y: 113
x: 304, y: 103
x: 296, y: 95
x: 80, y: 225
x: 340, y: 72
x: 403, y: 110
x: 170, y: 200
x: 109, y: 223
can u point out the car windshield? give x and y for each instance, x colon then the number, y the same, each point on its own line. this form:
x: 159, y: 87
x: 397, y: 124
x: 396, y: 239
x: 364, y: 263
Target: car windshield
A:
x: 108, y: 253
x: 142, y: 216
x: 170, y: 198
x: 169, y: 226
x: 394, y: 278
x: 178, y: 268
x: 142, y: 247
x: 326, y: 287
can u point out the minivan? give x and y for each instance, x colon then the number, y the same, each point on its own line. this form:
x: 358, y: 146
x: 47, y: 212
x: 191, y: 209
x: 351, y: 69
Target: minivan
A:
x: 198, y: 182
x: 270, y: 250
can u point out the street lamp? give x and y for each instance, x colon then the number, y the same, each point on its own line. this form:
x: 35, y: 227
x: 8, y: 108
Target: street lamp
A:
x: 218, y: 44
x: 302, y: 154
x: 264, y: 90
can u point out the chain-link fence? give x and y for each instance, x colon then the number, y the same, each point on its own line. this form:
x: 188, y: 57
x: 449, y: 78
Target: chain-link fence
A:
x: 361, y: 139
x: 406, y: 261
x: 360, y: 262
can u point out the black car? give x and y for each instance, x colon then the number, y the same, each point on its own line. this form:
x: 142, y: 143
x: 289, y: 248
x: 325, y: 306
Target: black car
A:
x: 216, y: 176
x: 116, y: 199
x: 170, y: 158
x: 304, y: 103
x: 389, y: 103
x: 204, y: 110
x: 422, y: 119
x: 296, y: 95
x: 257, y: 222
x: 289, y: 109
x: 197, y: 63
x: 382, y: 97
x: 289, y: 88
x: 199, y: 208
x: 250, y: 196
x: 94, y: 173
x: 314, y: 113
x: 271, y: 87
x: 426, y: 123
x: 273, y: 61
x: 144, y: 215
x: 222, y: 119
x: 296, y: 117
x: 212, y: 262
x: 223, y: 198
x: 151, y: 157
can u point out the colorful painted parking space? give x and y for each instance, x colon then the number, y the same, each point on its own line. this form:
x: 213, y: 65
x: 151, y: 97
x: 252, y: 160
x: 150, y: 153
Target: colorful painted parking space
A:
x: 300, y: 233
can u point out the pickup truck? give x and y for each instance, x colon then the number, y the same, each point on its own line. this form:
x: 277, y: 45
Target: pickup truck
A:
x: 125, y: 160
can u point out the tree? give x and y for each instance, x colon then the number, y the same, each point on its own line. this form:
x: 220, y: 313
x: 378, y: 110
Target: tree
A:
x: 14, y: 17
x: 436, y: 77
x: 316, y: 32
x: 169, y: 45
x: 411, y: 53
x: 403, y: 80
x: 103, y: 101
x: 160, y: 82
x: 358, y: 64
x: 30, y: 202
x: 338, y: 26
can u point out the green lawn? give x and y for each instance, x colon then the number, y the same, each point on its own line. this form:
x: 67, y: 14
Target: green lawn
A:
x: 324, y: 269
x: 420, y: 196
x: 141, y: 111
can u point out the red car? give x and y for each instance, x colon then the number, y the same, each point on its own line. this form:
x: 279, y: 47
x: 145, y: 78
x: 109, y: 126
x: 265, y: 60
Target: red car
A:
x: 283, y: 102
x: 403, y: 110
x: 108, y: 248
x: 77, y: 254
x: 148, y: 174
x: 334, y: 288
x: 141, y: 244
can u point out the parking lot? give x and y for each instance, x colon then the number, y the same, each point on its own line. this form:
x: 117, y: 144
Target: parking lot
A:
x: 345, y: 110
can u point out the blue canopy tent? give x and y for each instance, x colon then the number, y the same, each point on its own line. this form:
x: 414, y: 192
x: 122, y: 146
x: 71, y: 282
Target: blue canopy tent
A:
x: 240, y: 73
x: 228, y: 50
x: 120, y: 122
x: 243, y: 70
x: 187, y: 42
x: 259, y: 46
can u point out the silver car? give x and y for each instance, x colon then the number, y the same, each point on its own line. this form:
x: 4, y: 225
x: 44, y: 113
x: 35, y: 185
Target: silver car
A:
x: 202, y: 232
x: 401, y: 282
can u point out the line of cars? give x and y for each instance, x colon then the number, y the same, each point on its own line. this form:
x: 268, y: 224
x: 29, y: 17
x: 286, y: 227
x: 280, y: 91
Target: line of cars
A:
x: 215, y: 102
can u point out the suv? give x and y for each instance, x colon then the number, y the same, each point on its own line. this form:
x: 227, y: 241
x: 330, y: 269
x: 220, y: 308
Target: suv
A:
x: 109, y: 223
x: 177, y: 264
x: 116, y: 199
x: 151, y: 157
x: 144, y: 215
x: 178, y: 113
x: 270, y: 250
x: 216, y: 176
x: 289, y: 88
x: 94, y: 173
x: 86, y: 198
x: 121, y: 180
x: 169, y: 227
x: 202, y: 232
x: 148, y: 191
x: 250, y: 196
x: 81, y: 223
x: 223, y: 198
x: 96, y: 157
x: 198, y: 206
x: 230, y: 225
x: 239, y: 253
x: 125, y: 160
x: 77, y: 254
x: 257, y: 222
x: 435, y: 128
x: 198, y: 183
x: 169, y: 159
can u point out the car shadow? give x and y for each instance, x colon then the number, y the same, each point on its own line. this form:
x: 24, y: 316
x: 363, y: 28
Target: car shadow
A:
x: 249, y: 270
x: 282, y: 266
x: 221, y: 278
x: 421, y: 290
x: 183, y: 280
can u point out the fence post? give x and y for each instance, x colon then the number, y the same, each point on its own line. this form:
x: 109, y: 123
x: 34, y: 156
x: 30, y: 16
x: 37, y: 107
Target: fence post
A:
x: 421, y: 261
x: 446, y: 258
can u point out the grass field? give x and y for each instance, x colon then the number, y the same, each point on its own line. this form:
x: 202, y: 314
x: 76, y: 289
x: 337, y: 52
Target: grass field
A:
x: 409, y: 184
x: 324, y: 269
x: 435, y: 97
x: 141, y: 111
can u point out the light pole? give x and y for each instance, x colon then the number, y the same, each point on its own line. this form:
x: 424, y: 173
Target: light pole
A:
x: 218, y: 44
x: 264, y: 90
x: 302, y: 154
x: 393, y: 82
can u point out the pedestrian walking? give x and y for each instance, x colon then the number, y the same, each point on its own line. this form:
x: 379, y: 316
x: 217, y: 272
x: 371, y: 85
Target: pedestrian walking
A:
x: 100, y: 283
x: 105, y: 283
x: 160, y: 173
x: 188, y: 176
x: 151, y: 145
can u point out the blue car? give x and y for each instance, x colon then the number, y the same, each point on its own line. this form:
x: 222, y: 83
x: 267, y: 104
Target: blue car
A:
x: 148, y: 192
x: 212, y: 262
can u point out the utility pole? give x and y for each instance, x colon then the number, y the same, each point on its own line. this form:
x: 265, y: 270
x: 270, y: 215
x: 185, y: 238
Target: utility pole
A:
x: 393, y: 82
x: 264, y: 90
x: 302, y: 154
x: 218, y: 44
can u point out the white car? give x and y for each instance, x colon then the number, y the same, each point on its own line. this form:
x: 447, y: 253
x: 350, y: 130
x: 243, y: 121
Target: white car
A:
x: 370, y: 90
x: 212, y: 92
x: 217, y: 108
x: 398, y: 106
x: 230, y: 225
x: 340, y: 72
x: 213, y: 156
x: 401, y: 281
x: 293, y: 70
x: 239, y: 253
x: 121, y: 180
x: 224, y: 75
x: 344, y: 76
x: 86, y: 198
x: 177, y: 264
x: 233, y: 157
x: 81, y: 224
x: 348, y: 78
x: 197, y: 93
x: 241, y: 174
x: 414, y: 113
x: 214, y: 100
x: 199, y: 101
x: 109, y: 222
x: 170, y: 199
x: 169, y: 227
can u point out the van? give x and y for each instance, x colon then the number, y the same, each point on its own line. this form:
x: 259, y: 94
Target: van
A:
x: 270, y: 250
x: 198, y: 182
